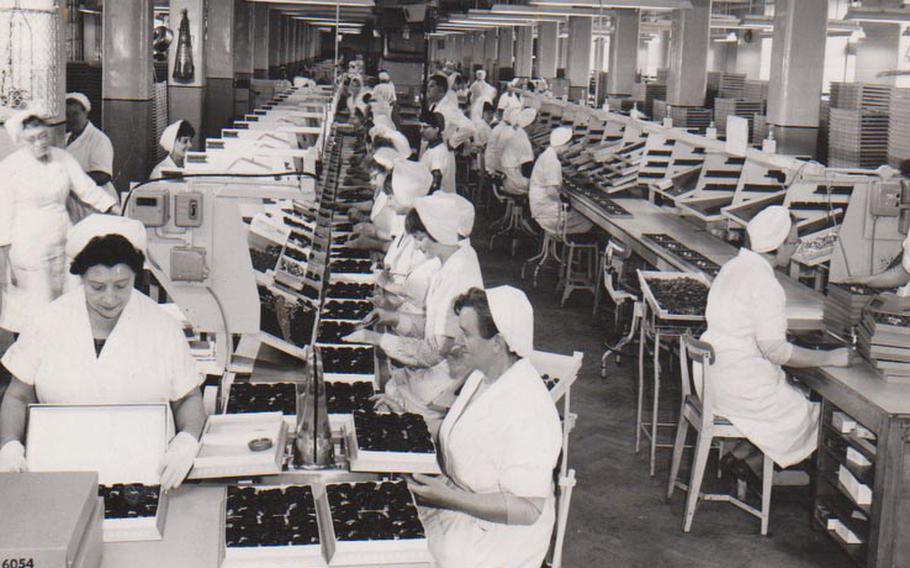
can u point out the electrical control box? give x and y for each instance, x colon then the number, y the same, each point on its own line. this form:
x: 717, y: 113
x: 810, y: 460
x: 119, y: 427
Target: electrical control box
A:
x: 885, y: 198
x: 151, y: 206
x: 188, y: 264
x: 188, y: 209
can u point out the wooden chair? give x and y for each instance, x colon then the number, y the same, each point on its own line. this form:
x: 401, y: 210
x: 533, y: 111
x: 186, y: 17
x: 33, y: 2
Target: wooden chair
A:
x: 697, y: 411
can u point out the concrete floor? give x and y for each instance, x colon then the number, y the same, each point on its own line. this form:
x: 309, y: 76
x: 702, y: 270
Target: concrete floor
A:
x: 619, y: 516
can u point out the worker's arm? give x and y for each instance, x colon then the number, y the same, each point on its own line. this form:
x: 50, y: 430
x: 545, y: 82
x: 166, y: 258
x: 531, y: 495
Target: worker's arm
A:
x: 189, y: 414
x: 782, y: 352
x: 100, y: 178
x: 409, y: 351
x: 437, y: 181
x: 14, y: 410
x: 500, y: 507
x: 891, y: 278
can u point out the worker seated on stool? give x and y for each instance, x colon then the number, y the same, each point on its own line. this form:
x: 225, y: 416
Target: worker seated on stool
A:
x: 494, y: 507
x: 440, y: 223
x: 502, y: 131
x: 747, y: 326
x: 545, y: 185
x: 517, y: 155
x: 383, y: 225
x: 437, y: 156
x: 104, y: 342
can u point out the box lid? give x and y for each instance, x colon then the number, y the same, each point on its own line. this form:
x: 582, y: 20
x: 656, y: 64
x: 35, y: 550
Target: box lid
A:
x: 124, y: 443
x: 52, y: 511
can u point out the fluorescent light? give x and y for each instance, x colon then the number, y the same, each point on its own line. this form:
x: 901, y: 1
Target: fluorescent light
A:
x: 729, y: 38
x: 878, y: 15
x: 613, y: 4
x: 342, y: 3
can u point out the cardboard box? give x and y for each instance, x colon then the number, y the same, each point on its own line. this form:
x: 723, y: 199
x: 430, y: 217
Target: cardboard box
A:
x: 123, y: 443
x: 225, y: 450
x: 51, y: 520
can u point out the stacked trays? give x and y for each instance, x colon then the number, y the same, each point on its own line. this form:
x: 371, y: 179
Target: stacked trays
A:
x: 732, y: 86
x: 884, y: 339
x: 691, y: 118
x: 899, y: 127
x: 857, y: 138
x: 755, y: 90
x: 648, y: 92
x: 724, y: 108
x: 760, y: 128
x: 860, y: 96
x: 844, y: 307
x: 373, y: 523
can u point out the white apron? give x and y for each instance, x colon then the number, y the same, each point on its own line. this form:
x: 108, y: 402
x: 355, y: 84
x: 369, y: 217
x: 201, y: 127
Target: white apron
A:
x: 145, y: 359
x: 34, y: 223
x: 543, y: 196
x: 506, y: 439
x: 746, y: 305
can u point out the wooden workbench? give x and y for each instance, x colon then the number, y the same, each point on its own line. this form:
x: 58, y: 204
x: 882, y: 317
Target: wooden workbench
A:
x: 884, y: 409
x: 804, y: 305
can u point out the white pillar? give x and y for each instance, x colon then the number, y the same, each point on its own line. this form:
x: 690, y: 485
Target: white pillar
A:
x: 690, y: 36
x: 623, y: 53
x: 547, y: 49
x: 578, y: 68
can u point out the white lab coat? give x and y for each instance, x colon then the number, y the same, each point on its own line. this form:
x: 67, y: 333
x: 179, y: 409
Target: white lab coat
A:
x: 95, y: 153
x: 516, y: 151
x: 440, y: 158
x: 481, y: 90
x: 505, y: 439
x: 413, y: 271
x: 543, y: 195
x: 425, y: 375
x: 385, y: 92
x: 166, y: 164
x: 145, y: 359
x: 492, y: 155
x: 459, y: 128
x: 746, y: 305
x: 34, y: 222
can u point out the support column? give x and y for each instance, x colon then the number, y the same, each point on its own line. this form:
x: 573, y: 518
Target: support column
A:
x: 797, y: 70
x: 623, y: 53
x: 547, y: 49
x: 490, y: 46
x: 524, y: 45
x: 563, y: 61
x: 477, y: 53
x: 274, y: 52
x: 599, y: 45
x: 506, y: 50
x: 748, y: 58
x: 293, y: 51
x: 689, y: 36
x: 260, y: 40
x: 128, y: 93
x: 578, y: 69
x: 186, y: 97
x: 243, y: 55
x: 219, y: 67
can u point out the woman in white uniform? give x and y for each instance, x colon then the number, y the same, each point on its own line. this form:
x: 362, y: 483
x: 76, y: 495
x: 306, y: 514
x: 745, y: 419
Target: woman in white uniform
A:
x: 747, y: 326
x: 176, y: 140
x: 383, y: 225
x: 91, y: 148
x: 500, y: 443
x: 545, y: 185
x: 104, y: 342
x: 481, y: 90
x: 37, y: 180
x: 517, y: 159
x: 439, y: 222
x: 385, y: 90
x: 437, y: 157
x: 499, y: 136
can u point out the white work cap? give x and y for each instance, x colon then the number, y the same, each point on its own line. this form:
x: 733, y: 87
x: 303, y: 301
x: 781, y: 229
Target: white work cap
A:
x: 466, y: 215
x: 169, y: 136
x: 410, y: 181
x: 769, y: 229
x: 444, y: 215
x: 560, y: 136
x: 302, y: 82
x: 100, y: 225
x: 514, y: 318
x: 526, y: 117
x: 13, y: 124
x: 81, y: 99
x: 510, y: 116
x: 452, y: 78
x: 384, y: 76
x: 514, y: 82
x: 386, y: 157
x: 480, y: 74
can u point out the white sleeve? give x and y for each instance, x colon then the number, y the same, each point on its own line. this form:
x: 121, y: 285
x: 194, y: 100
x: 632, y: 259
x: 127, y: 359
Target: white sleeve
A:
x: 769, y: 311
x: 529, y: 458
x: 85, y: 187
x: 905, y: 260
x: 23, y: 358
x: 101, y: 157
x: 413, y: 352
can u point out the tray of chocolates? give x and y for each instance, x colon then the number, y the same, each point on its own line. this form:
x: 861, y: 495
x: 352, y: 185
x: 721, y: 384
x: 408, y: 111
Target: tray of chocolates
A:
x: 679, y: 296
x: 270, y: 525
x: 390, y: 443
x: 348, y: 397
x: 285, y: 317
x: 331, y: 331
x: 350, y: 253
x: 129, y: 500
x: 349, y: 291
x: 373, y: 523
x: 245, y: 398
x: 265, y: 260
x: 346, y: 310
x: 683, y: 252
x: 349, y: 363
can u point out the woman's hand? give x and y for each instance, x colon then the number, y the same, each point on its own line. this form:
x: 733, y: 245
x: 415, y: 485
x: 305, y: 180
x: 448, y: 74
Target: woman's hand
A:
x: 386, y: 403
x: 430, y: 489
x: 843, y: 357
x: 362, y: 336
x: 861, y: 280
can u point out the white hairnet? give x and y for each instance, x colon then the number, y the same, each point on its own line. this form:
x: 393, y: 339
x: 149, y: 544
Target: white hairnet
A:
x: 769, y: 229
x: 169, y: 136
x: 386, y: 157
x: 510, y: 116
x: 560, y: 136
x: 480, y: 74
x: 526, y: 117
x: 99, y: 225
x: 13, y: 124
x: 436, y: 213
x: 514, y: 318
x: 384, y: 76
x: 410, y: 181
x: 81, y: 99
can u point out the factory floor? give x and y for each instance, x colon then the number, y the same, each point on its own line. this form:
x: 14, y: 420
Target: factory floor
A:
x: 619, y: 516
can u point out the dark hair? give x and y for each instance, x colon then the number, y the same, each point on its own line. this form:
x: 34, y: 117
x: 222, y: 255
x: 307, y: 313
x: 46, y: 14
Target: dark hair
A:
x: 433, y: 120
x: 108, y: 250
x: 440, y: 82
x: 186, y: 129
x: 414, y: 224
x: 33, y: 120
x: 905, y: 168
x: 476, y: 299
x: 382, y: 142
x: 488, y: 107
